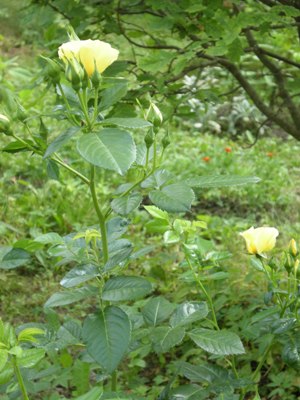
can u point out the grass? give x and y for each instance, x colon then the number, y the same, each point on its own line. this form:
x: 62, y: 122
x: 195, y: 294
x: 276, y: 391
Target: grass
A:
x: 31, y: 204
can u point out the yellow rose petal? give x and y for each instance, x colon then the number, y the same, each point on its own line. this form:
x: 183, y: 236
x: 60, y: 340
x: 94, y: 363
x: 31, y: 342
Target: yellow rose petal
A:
x: 260, y: 240
x: 89, y: 53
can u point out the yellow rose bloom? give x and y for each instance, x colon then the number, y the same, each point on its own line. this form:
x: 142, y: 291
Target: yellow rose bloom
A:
x: 90, y: 53
x: 260, y: 240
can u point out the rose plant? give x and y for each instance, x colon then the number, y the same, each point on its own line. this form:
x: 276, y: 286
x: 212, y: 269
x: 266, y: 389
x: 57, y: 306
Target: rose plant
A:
x: 127, y: 317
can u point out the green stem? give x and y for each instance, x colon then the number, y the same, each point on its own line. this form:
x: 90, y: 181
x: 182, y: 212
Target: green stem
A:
x: 145, y: 175
x: 74, y: 171
x: 284, y: 307
x: 272, y: 280
x: 20, y: 379
x: 100, y: 215
x: 114, y: 381
x: 95, y: 106
x: 57, y: 159
x: 109, y: 211
x: 67, y: 104
x: 262, y: 361
x: 154, y: 153
x: 83, y: 102
x: 206, y: 294
x: 295, y: 286
x: 257, y: 370
x: 289, y: 285
x: 236, y: 374
x: 32, y: 148
x: 242, y: 395
x: 147, y: 157
x: 134, y: 186
x: 162, y: 156
x: 295, y: 289
x: 28, y: 129
x: 212, y: 309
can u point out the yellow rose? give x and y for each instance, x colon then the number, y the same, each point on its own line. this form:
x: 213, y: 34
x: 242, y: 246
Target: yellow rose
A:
x: 90, y: 53
x: 260, y: 240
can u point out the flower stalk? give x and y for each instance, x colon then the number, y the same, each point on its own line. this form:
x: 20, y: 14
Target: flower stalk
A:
x: 20, y: 379
x: 101, y: 216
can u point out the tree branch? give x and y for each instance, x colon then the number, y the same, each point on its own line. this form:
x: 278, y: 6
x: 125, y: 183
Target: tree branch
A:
x: 297, y: 19
x: 158, y: 46
x: 278, y: 76
x: 123, y: 11
x: 254, y: 96
x: 278, y: 57
x: 272, y: 3
x: 291, y: 3
x: 278, y: 26
x: 56, y: 9
x: 190, y: 69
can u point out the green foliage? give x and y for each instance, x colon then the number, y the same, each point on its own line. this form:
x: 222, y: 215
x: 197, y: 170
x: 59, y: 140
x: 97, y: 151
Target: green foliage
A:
x: 70, y: 296
x: 120, y: 288
x: 125, y: 205
x: 107, y: 336
x: 131, y: 123
x: 60, y: 141
x: 184, y: 293
x: 217, y: 342
x: 79, y: 274
x: 15, y: 258
x: 255, y: 43
x: 93, y: 394
x: 157, y: 310
x: 188, y: 313
x: 104, y: 149
x: 221, y: 181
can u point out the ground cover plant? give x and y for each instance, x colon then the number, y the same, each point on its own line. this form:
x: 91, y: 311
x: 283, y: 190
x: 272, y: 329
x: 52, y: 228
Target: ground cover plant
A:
x: 152, y: 304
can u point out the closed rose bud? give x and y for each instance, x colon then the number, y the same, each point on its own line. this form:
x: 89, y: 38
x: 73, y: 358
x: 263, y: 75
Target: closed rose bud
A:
x: 92, y: 54
x: 5, y: 125
x: 75, y: 74
x: 272, y: 264
x: 96, y: 78
x: 260, y: 240
x: 165, y: 141
x: 43, y: 131
x: 149, y: 139
x: 21, y: 114
x: 154, y: 115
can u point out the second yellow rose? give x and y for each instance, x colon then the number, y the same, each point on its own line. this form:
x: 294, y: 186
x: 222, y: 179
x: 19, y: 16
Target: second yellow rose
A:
x: 260, y: 240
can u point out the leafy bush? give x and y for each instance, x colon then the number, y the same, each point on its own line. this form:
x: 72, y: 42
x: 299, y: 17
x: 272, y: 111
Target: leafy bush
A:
x: 180, y: 318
